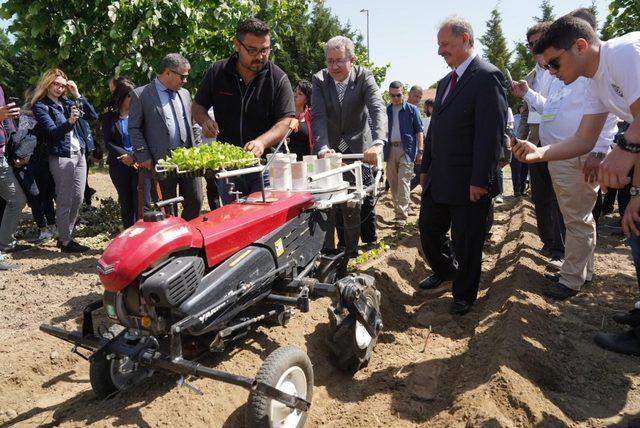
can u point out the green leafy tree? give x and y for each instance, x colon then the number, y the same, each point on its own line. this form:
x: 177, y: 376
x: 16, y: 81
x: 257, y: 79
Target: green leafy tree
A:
x: 623, y: 18
x: 93, y: 40
x: 494, y: 44
x: 6, y: 66
x: 547, y: 12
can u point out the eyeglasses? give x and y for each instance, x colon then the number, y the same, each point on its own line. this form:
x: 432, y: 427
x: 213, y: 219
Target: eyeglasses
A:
x: 341, y: 62
x: 255, y: 51
x: 183, y: 77
x: 396, y: 95
x: 59, y: 85
x: 554, y: 63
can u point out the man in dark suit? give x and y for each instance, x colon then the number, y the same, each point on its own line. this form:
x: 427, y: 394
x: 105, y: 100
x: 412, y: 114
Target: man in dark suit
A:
x: 160, y: 121
x: 460, y: 164
x: 344, y: 97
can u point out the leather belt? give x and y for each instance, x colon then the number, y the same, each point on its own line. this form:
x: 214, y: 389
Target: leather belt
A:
x: 396, y: 143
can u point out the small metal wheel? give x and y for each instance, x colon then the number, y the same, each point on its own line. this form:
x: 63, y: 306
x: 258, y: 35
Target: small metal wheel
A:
x: 289, y: 370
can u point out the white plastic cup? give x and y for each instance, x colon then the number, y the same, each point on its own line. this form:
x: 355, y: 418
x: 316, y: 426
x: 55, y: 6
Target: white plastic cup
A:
x: 299, y: 175
x: 336, y: 162
x: 322, y: 165
x: 309, y: 161
x: 280, y: 173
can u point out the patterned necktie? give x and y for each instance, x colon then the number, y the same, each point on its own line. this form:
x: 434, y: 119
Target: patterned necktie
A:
x: 178, y: 115
x: 341, y: 89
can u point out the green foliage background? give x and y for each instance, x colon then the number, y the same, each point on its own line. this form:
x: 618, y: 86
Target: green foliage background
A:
x: 93, y: 40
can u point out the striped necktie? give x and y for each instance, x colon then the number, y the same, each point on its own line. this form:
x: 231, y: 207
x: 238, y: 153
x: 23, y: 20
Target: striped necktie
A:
x: 341, y: 89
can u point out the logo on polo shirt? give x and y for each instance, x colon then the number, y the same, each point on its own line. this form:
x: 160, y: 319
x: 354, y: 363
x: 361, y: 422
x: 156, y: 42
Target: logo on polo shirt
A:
x: 617, y: 90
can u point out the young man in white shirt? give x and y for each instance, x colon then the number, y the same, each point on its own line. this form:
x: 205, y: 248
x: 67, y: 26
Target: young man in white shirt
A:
x: 560, y: 115
x: 572, y: 49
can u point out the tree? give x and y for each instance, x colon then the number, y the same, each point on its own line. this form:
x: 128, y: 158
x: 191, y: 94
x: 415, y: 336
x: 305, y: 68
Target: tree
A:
x: 623, y: 18
x: 495, y: 46
x: 93, y: 40
x: 547, y: 12
x: 6, y: 67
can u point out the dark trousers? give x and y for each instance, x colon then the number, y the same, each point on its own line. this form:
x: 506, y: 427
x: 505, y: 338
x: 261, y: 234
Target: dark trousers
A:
x: 519, y: 172
x: 368, y: 232
x: 463, y: 262
x: 189, y: 190
x: 345, y: 221
x: 125, y: 180
x: 605, y: 202
x: 416, y: 176
x: 42, y: 206
x: 548, y: 217
x: 499, y: 178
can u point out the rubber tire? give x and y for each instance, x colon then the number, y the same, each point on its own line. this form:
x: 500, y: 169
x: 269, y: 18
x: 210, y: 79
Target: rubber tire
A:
x: 257, y: 413
x: 100, y: 378
x: 349, y: 357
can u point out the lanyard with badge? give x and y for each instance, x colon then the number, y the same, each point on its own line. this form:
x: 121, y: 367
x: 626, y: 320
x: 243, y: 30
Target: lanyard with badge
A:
x: 554, y: 104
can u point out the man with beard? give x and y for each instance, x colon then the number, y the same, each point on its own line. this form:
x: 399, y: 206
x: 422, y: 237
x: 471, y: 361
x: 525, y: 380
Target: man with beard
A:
x: 251, y: 98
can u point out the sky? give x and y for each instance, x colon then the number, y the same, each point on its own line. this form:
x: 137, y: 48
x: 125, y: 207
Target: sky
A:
x: 403, y: 32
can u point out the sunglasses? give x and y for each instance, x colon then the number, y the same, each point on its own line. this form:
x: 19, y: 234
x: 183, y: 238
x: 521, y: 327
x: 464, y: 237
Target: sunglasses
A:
x: 255, y: 51
x: 183, y: 77
x: 554, y: 63
x: 396, y: 95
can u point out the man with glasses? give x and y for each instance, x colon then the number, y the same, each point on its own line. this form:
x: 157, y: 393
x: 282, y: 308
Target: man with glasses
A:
x: 574, y: 180
x: 548, y: 217
x: 154, y: 135
x: 406, y: 143
x: 344, y: 98
x: 571, y: 48
x: 251, y: 97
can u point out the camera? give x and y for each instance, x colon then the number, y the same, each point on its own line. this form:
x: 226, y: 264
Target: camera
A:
x: 80, y: 106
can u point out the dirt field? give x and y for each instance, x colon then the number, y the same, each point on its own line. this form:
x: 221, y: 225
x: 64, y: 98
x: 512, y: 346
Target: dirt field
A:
x: 516, y: 360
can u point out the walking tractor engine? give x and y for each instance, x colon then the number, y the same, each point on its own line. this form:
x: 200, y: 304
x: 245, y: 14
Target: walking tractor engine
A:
x: 175, y: 289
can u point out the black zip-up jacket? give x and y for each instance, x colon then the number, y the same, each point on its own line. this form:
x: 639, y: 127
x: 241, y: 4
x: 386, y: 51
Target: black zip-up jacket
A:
x: 245, y: 111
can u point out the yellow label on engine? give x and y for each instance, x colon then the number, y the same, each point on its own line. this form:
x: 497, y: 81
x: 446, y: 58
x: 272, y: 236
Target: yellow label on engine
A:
x: 279, y: 248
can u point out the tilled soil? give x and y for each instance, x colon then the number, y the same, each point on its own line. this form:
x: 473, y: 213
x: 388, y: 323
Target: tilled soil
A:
x: 517, y: 359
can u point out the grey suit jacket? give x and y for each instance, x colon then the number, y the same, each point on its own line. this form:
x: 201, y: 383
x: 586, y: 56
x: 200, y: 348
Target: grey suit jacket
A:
x: 147, y: 124
x: 332, y: 122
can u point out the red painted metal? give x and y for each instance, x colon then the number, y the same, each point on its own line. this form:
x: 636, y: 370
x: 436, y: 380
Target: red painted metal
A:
x: 232, y: 227
x: 223, y: 232
x: 143, y: 244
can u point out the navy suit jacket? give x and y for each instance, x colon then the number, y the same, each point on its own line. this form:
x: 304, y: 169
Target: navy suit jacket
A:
x: 462, y: 146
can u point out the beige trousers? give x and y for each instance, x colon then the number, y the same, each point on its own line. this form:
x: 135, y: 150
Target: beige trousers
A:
x: 576, y: 199
x: 399, y: 174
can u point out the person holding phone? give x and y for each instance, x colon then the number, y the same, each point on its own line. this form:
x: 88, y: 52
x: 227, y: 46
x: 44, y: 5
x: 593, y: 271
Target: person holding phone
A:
x: 10, y: 190
x: 58, y: 117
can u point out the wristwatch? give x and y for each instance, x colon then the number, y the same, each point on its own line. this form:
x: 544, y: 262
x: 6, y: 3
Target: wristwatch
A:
x: 634, y: 190
x: 622, y: 142
x: 421, y: 151
x: 598, y: 155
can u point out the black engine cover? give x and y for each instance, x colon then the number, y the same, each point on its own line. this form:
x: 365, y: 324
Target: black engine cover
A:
x: 174, y: 282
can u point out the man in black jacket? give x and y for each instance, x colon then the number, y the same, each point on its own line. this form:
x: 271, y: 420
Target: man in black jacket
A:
x: 460, y: 164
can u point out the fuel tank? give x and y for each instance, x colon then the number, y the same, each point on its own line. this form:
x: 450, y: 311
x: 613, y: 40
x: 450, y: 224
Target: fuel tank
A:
x: 142, y: 245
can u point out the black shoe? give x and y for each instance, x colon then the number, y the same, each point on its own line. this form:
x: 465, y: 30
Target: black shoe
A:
x: 16, y: 248
x: 622, y: 343
x: 430, y: 283
x: 559, y: 291
x: 631, y: 318
x: 555, y: 277
x: 73, y: 247
x: 545, y: 252
x: 368, y: 246
x: 460, y: 307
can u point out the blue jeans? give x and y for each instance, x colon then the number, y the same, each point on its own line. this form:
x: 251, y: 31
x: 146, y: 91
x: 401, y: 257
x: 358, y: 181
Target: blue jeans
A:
x: 519, y: 172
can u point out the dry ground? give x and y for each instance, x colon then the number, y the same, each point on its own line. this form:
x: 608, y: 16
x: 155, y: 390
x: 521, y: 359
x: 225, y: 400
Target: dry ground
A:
x: 516, y: 360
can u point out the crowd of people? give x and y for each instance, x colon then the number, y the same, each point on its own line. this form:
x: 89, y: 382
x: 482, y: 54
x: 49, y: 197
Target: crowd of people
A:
x: 574, y: 133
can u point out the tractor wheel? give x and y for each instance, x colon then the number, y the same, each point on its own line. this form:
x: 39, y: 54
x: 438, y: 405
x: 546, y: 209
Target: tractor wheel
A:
x: 288, y: 369
x: 349, y: 340
x: 108, y: 376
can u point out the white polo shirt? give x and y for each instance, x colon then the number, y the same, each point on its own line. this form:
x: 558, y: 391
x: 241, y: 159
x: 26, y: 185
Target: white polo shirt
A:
x: 616, y: 84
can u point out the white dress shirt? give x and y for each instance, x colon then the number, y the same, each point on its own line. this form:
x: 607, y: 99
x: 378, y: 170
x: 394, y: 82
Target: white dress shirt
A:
x: 460, y: 71
x: 562, y: 112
